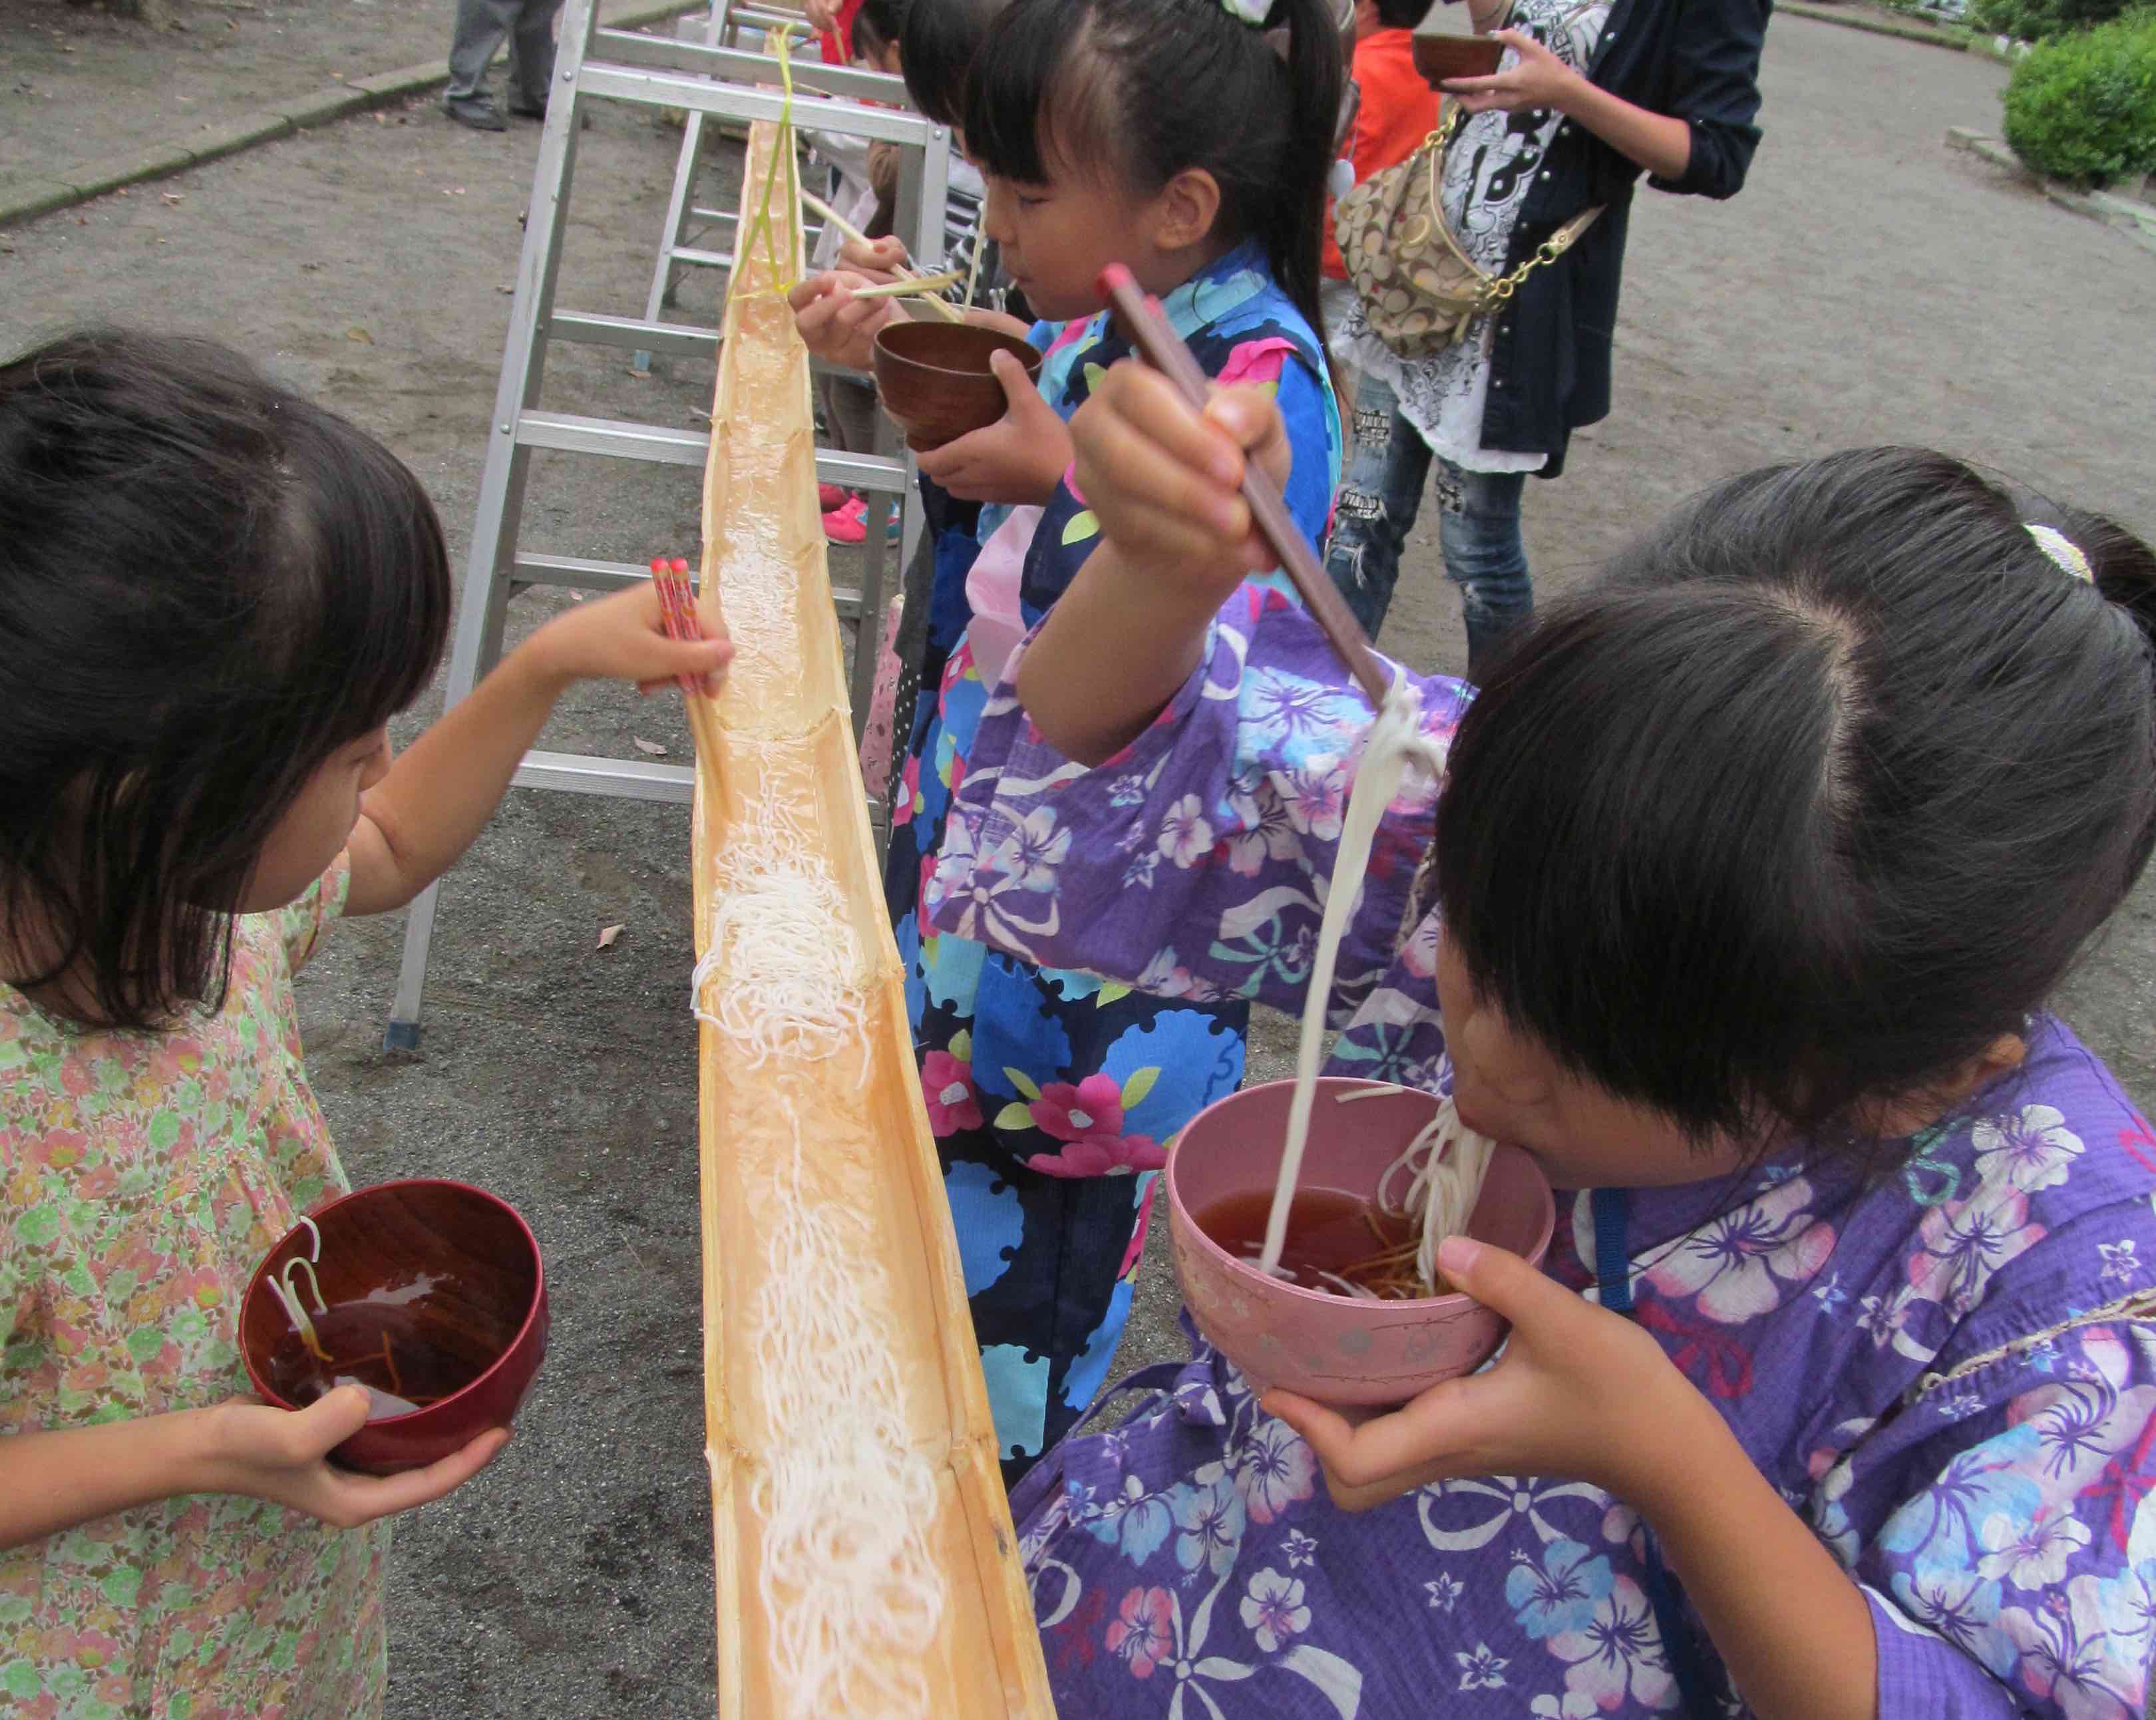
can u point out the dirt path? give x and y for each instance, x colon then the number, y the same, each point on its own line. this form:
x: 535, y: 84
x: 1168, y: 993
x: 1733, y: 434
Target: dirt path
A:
x: 1868, y: 286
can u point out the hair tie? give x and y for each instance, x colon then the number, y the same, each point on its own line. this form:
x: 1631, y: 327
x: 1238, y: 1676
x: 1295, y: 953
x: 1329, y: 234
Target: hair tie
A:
x: 1257, y: 14
x: 2064, y: 553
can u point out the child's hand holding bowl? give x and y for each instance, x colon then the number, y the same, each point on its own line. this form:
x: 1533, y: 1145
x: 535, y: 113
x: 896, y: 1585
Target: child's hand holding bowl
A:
x: 1577, y: 1393
x: 1020, y: 458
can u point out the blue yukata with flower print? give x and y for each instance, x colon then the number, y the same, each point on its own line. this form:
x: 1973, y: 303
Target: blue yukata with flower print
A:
x: 1052, y: 1094
x: 1950, y: 1374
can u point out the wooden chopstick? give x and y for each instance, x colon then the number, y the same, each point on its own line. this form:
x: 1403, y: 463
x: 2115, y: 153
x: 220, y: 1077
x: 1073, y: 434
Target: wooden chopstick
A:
x: 902, y: 289
x: 948, y: 312
x: 1163, y: 348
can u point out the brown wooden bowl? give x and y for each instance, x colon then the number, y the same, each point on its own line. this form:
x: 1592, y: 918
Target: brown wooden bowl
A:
x: 449, y: 1275
x: 1439, y: 58
x: 935, y: 378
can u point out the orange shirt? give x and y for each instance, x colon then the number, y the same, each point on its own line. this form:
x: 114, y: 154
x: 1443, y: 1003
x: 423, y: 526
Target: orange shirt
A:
x: 1399, y: 111
x: 838, y: 47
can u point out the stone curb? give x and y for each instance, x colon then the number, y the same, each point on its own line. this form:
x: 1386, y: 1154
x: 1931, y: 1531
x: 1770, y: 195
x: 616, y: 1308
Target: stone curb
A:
x: 1955, y: 39
x: 23, y: 196
x: 1876, y: 26
x: 2130, y: 216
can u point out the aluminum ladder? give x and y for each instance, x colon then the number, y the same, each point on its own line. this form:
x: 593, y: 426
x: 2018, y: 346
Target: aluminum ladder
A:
x: 705, y: 80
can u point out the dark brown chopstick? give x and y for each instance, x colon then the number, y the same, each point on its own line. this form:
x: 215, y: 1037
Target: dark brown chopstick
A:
x: 1163, y: 348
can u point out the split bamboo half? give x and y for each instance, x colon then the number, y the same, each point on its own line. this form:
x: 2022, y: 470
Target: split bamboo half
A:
x: 784, y: 727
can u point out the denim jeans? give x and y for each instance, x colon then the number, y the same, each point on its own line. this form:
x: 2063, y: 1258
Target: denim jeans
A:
x: 1478, y: 527
x: 481, y: 27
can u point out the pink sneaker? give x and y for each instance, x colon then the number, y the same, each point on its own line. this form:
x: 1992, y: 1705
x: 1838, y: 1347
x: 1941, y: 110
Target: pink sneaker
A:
x: 829, y: 498
x: 848, y: 524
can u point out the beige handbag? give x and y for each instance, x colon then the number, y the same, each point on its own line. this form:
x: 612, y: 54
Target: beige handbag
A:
x: 1418, y: 289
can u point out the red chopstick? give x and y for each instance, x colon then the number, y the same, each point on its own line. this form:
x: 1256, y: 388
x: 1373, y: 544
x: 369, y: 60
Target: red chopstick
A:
x: 677, y: 609
x: 1163, y: 348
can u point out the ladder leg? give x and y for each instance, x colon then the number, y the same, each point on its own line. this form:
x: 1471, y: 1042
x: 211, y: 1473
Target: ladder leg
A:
x: 679, y: 203
x: 482, y: 604
x: 683, y: 197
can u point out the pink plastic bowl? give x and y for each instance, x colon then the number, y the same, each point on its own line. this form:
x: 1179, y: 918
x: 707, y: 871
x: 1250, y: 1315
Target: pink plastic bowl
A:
x: 487, y: 1306
x: 1335, y: 1350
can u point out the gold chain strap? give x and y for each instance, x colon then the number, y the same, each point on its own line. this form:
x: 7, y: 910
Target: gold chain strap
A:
x: 1495, y: 289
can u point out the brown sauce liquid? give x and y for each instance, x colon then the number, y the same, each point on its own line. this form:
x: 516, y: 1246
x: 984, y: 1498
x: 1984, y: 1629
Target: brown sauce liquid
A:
x: 1327, y: 1232
x: 377, y: 1343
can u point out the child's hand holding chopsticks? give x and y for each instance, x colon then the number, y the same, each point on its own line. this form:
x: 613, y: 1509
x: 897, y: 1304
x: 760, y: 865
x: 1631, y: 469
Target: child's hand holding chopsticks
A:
x: 1165, y: 480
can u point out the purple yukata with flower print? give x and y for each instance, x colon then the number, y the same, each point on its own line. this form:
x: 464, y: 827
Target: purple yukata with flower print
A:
x: 1053, y: 1095
x: 1950, y: 1374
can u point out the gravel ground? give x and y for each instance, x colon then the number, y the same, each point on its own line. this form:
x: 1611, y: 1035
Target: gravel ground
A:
x: 1868, y: 286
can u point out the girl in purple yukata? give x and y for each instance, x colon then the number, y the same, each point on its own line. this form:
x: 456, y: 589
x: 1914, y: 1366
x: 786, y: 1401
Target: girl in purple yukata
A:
x: 1191, y: 140
x: 1752, y: 868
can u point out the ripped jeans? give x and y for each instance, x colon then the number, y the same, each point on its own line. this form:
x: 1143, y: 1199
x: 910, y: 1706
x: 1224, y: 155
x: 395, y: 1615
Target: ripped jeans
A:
x: 1478, y: 527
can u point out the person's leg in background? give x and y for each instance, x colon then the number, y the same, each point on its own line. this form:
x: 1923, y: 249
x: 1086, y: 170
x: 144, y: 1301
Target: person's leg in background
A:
x: 1379, y: 497
x: 531, y: 59
x: 481, y: 27
x: 1479, y: 531
x: 849, y: 422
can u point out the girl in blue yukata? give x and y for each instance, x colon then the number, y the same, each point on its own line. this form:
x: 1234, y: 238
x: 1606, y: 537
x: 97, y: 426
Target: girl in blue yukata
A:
x: 1191, y: 140
x: 1753, y: 867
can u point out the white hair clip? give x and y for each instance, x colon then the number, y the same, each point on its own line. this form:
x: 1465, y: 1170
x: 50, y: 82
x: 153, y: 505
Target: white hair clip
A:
x: 2063, y: 550
x: 1252, y: 12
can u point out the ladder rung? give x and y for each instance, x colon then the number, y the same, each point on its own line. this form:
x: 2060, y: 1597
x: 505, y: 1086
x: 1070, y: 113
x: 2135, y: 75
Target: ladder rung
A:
x: 616, y: 439
x: 724, y: 218
x: 577, y: 573
x: 585, y: 774
x: 737, y: 101
x: 701, y: 259
x: 633, y: 333
x: 613, y: 49
x: 860, y: 471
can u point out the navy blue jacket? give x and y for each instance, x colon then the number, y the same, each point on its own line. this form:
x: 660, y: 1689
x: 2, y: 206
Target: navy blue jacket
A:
x: 1696, y: 59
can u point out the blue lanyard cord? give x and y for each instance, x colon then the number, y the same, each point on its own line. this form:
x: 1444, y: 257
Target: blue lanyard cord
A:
x: 1613, y: 1272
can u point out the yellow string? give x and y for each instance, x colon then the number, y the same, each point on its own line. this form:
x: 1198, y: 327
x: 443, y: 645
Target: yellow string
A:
x: 782, y: 270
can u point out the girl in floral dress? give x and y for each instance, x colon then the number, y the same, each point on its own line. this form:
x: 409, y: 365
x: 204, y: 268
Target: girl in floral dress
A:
x: 212, y: 597
x: 1191, y: 141
x: 1753, y: 866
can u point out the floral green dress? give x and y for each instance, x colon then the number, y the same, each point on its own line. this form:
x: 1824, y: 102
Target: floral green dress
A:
x: 142, y: 1178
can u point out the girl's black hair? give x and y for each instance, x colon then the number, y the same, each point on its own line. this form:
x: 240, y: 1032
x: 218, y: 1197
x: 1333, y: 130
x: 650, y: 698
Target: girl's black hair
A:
x: 877, y: 25
x: 207, y: 586
x: 936, y: 46
x: 1152, y: 88
x: 1403, y: 14
x: 1817, y: 795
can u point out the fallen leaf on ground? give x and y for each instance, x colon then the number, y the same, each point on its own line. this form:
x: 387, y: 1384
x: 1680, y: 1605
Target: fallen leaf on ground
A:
x: 360, y: 334
x: 608, y: 934
x: 174, y: 199
x: 650, y: 749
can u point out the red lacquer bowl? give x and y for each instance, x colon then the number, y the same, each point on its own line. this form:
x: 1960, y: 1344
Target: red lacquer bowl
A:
x: 449, y: 1275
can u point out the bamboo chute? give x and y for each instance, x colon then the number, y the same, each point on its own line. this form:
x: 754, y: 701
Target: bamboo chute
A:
x: 827, y: 1134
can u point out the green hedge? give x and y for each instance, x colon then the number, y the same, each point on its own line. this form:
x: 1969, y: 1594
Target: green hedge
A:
x: 2039, y: 20
x: 2083, y: 107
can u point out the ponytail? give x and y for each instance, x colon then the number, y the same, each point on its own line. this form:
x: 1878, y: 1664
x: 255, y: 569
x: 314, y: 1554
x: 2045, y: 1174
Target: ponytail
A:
x: 1294, y: 218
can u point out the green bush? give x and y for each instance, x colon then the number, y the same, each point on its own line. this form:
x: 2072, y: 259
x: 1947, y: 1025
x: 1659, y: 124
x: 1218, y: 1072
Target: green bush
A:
x: 2039, y: 20
x: 2083, y: 107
